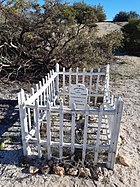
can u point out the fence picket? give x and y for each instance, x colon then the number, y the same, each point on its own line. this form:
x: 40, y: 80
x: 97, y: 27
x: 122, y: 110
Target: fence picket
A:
x: 90, y: 84
x: 48, y: 113
x: 83, y: 79
x: 57, y: 81
x: 29, y: 115
x: 97, y: 86
x: 85, y: 136
x: 73, y: 107
x: 98, y: 135
x: 23, y: 120
x: 61, y: 130
x: 77, y: 75
x: 64, y: 85
x: 38, y: 129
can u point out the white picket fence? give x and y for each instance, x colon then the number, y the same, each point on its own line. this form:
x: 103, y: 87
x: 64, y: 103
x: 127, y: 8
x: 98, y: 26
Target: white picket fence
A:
x: 51, y: 126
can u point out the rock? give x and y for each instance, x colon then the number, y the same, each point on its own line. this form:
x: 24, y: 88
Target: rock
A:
x: 58, y: 170
x: 84, y: 172
x: 124, y: 160
x: 45, y: 169
x: 33, y: 170
x: 24, y: 161
x: 72, y: 171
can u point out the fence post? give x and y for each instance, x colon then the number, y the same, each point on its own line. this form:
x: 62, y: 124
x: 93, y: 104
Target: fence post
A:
x: 98, y: 134
x: 38, y: 129
x: 57, y: 82
x: 73, y: 128
x: 61, y: 130
x: 85, y: 136
x: 115, y: 133
x: 48, y: 110
x: 23, y: 120
x: 97, y: 87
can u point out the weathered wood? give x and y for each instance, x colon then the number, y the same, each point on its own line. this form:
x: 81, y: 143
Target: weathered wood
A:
x: 61, y: 130
x: 33, y: 112
x: 73, y: 129
x: 48, y: 124
x: 98, y: 135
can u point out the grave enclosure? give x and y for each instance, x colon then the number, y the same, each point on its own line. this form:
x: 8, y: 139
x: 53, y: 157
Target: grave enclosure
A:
x: 71, y: 111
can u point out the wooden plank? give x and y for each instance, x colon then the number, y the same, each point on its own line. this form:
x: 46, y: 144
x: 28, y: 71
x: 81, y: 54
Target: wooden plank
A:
x: 23, y: 120
x: 77, y: 75
x: 90, y: 85
x: 57, y: 81
x: 98, y: 135
x: 38, y: 130
x: 97, y: 86
x: 85, y: 137
x: 83, y: 74
x: 73, y: 129
x: 28, y: 115
x: 64, y: 85
x: 61, y: 130
x: 48, y: 124
x: 115, y: 133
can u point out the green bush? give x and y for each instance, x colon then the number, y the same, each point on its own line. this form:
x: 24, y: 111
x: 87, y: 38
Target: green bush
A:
x: 132, y: 36
x: 123, y: 16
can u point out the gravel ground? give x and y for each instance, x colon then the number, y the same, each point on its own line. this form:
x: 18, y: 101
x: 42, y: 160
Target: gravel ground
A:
x: 125, y: 82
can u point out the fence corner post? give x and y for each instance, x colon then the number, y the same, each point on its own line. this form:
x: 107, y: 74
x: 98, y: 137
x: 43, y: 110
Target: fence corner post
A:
x: 115, y: 133
x: 23, y: 120
x: 57, y: 82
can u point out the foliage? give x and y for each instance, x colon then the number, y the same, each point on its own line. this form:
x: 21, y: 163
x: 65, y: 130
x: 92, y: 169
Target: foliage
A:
x: 34, y: 38
x: 132, y: 36
x: 99, y: 12
x: 123, y: 16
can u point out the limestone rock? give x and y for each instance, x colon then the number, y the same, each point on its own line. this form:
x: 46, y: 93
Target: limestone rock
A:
x: 58, y: 170
x: 72, y: 171
x: 33, y: 170
x: 84, y: 172
x: 124, y: 160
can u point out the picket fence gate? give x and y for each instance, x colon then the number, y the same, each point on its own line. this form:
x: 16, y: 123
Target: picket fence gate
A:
x: 53, y: 126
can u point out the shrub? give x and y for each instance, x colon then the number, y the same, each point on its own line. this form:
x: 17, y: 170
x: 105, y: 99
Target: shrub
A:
x: 132, y: 36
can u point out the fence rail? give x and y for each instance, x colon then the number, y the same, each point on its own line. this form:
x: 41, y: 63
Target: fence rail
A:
x: 49, y: 121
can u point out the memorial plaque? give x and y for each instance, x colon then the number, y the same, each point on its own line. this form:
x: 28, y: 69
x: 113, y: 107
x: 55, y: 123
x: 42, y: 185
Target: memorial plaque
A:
x: 78, y: 95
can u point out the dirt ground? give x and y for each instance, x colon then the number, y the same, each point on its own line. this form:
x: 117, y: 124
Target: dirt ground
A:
x: 125, y: 82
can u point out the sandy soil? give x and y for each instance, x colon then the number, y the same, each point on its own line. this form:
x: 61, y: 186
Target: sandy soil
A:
x: 125, y: 82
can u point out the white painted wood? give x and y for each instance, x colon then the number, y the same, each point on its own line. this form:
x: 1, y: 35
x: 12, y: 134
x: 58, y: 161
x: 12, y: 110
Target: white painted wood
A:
x: 83, y: 74
x: 115, y: 132
x: 85, y: 137
x: 97, y: 86
x: 90, y: 84
x: 23, y: 120
x: 57, y: 82
x: 48, y: 89
x: 44, y: 95
x: 64, y: 85
x: 61, y: 130
x: 73, y: 107
x: 70, y: 71
x: 78, y: 95
x: 48, y: 127
x: 38, y: 129
x: 28, y: 115
x: 98, y: 135
x: 77, y: 75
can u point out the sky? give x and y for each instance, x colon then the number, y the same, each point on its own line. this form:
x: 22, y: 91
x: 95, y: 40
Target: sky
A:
x: 112, y: 7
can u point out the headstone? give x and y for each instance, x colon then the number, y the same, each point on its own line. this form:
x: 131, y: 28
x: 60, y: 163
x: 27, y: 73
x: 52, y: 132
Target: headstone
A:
x: 78, y: 95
